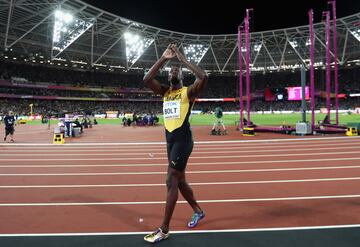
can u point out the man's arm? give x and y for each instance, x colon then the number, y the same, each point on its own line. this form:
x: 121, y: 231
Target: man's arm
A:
x: 201, y: 76
x: 149, y: 80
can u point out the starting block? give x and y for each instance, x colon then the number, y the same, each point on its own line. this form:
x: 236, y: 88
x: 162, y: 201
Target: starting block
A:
x: 352, y: 131
x: 58, y: 139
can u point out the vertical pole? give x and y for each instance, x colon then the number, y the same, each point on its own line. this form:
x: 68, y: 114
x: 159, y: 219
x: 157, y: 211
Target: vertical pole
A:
x: 92, y: 46
x: 247, y: 44
x: 336, y: 81
x: 312, y: 82
x: 240, y: 79
x: 303, y: 98
x: 328, y: 69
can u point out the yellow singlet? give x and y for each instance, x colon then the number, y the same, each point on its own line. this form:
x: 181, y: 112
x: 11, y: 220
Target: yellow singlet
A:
x: 176, y: 108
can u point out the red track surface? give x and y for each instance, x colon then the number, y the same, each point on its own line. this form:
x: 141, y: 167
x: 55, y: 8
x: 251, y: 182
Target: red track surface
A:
x: 266, y: 184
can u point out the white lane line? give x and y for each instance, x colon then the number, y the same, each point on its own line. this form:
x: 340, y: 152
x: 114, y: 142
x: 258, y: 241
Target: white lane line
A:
x: 198, y: 142
x: 280, y: 151
x: 62, y: 148
x: 190, y: 163
x: 300, y: 228
x: 193, y: 184
x: 196, y: 148
x: 189, y: 172
x: 35, y: 204
x: 163, y: 158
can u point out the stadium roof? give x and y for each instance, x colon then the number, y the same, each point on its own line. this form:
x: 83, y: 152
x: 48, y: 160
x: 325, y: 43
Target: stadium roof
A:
x: 78, y: 34
x: 202, y: 17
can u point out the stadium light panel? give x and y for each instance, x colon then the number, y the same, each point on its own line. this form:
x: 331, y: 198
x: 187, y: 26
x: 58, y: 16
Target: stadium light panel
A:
x: 257, y: 47
x: 195, y: 52
x: 355, y: 31
x: 135, y: 46
x: 294, y: 43
x: 67, y: 29
x: 63, y: 16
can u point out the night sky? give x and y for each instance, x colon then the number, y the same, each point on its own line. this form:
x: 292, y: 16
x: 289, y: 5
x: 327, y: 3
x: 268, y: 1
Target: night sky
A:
x: 224, y: 16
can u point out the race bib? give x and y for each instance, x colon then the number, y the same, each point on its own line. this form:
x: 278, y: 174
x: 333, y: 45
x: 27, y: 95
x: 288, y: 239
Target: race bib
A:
x: 171, y: 109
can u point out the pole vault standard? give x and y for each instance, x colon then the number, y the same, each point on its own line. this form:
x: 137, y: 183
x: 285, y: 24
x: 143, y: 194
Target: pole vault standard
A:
x: 312, y: 83
x: 247, y: 59
x: 333, y: 3
x: 240, y: 78
x: 326, y: 14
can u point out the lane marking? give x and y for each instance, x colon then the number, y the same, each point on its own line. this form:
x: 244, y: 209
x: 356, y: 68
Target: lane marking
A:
x: 191, y: 157
x: 198, y: 142
x: 34, y: 204
x: 188, y: 172
x: 193, y: 184
x: 190, y: 163
x: 157, y: 147
x: 193, y: 153
x: 300, y: 228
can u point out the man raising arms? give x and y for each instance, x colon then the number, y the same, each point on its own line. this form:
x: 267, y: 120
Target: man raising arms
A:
x: 177, y: 104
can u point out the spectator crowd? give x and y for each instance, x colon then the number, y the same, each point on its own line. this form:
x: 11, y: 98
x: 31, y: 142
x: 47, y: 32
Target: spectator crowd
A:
x: 219, y: 86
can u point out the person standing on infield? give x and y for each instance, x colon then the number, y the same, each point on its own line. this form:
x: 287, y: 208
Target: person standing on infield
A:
x: 9, y: 122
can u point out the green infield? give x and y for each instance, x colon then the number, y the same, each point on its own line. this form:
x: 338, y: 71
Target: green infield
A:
x: 259, y: 119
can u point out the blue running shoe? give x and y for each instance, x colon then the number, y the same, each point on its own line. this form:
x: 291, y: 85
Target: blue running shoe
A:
x: 195, y: 219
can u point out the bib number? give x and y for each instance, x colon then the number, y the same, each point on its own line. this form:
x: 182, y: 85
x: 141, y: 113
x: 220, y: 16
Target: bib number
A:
x: 171, y: 109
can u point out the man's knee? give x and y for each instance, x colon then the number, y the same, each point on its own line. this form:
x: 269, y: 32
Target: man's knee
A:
x: 173, y: 179
x: 183, y: 184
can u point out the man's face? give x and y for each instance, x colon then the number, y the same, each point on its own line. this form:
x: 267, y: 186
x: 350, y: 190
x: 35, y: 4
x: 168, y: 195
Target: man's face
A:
x: 11, y: 113
x: 175, y: 75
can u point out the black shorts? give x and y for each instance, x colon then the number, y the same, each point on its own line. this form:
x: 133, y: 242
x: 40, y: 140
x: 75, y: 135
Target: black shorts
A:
x: 9, y: 131
x: 179, y: 153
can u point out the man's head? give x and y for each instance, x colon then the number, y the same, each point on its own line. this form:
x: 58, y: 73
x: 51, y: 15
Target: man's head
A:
x: 175, y: 75
x: 11, y: 113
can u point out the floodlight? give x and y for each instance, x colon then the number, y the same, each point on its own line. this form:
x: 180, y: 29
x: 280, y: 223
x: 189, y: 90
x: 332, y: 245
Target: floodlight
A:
x: 195, y: 52
x: 355, y: 31
x: 67, y: 29
x: 293, y: 43
x: 135, y: 46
